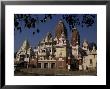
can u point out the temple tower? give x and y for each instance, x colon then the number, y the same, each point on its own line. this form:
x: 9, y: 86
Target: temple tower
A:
x: 23, y: 52
x: 75, y: 42
x: 61, y: 45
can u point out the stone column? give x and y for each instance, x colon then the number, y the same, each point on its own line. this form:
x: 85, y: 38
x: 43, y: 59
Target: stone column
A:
x: 42, y: 65
x: 49, y: 65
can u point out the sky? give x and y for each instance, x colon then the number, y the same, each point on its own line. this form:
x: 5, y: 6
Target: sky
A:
x: 88, y: 33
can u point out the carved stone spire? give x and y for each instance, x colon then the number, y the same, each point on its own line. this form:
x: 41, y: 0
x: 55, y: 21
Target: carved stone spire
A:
x: 60, y: 29
x: 75, y: 40
x: 85, y: 45
x: 25, y: 45
x: 48, y: 37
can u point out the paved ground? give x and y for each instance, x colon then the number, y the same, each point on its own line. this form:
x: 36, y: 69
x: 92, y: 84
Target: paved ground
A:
x: 52, y: 72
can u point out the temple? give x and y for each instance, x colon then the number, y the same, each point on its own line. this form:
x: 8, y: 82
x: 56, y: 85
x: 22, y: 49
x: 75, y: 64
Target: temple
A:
x: 56, y: 52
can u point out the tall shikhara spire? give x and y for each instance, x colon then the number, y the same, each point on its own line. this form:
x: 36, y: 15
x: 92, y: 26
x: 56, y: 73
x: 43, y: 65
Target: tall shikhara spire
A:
x: 75, y: 40
x: 60, y: 29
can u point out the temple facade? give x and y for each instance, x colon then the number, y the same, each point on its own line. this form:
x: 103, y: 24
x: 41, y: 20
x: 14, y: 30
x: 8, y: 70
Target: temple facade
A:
x: 56, y: 52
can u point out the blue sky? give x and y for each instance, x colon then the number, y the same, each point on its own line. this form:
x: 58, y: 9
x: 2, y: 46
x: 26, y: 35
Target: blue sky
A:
x: 88, y: 33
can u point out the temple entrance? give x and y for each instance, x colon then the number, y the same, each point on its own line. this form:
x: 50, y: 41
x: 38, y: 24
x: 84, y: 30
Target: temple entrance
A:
x: 39, y: 65
x: 52, y: 65
x: 74, y: 64
x: 45, y: 65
